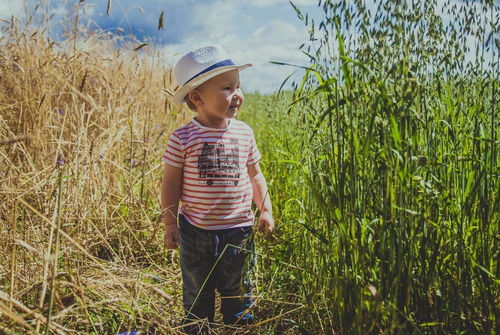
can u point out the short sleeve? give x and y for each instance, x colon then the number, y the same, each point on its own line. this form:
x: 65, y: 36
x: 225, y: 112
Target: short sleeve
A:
x: 253, y: 154
x: 174, y: 154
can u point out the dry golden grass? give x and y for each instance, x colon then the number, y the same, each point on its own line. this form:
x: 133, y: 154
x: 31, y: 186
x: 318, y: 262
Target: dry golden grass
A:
x: 82, y: 129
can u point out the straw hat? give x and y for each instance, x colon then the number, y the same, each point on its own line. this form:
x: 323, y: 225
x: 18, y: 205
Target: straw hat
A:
x: 200, y: 65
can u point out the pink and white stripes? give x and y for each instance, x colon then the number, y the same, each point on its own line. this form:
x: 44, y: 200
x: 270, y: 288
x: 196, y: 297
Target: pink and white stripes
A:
x: 216, y: 189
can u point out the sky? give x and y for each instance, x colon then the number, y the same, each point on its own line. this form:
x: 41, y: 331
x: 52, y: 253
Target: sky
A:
x: 251, y: 31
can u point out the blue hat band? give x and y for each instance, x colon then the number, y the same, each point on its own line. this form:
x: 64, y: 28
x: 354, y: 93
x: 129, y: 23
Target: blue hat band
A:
x: 226, y: 62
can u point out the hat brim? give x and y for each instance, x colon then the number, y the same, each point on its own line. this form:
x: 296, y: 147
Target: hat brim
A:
x: 181, y: 92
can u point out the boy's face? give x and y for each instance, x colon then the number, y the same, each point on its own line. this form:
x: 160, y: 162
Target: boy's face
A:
x: 221, y: 96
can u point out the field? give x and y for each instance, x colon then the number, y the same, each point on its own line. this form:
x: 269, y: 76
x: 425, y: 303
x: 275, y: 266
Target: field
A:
x: 382, y: 164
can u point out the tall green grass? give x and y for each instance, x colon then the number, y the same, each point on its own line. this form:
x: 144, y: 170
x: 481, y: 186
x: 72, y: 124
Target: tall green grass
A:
x: 384, y: 169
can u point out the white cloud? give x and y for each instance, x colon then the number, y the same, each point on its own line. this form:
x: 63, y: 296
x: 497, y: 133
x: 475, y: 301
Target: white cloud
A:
x: 217, y: 20
x: 246, y: 42
x: 276, y: 40
x: 88, y: 9
x: 60, y: 11
x: 275, y: 30
x: 268, y: 3
x: 10, y: 8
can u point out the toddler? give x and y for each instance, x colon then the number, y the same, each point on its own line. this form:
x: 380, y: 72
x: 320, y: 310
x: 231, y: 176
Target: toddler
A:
x: 212, y: 169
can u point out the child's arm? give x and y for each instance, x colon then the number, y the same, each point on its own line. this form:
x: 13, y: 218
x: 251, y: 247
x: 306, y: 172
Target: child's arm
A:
x: 261, y: 199
x: 170, y: 195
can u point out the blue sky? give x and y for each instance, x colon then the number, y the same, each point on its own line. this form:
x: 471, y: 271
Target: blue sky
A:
x: 251, y: 31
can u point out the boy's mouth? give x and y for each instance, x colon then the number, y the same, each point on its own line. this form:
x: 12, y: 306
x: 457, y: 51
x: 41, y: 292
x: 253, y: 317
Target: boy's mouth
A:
x: 234, y: 108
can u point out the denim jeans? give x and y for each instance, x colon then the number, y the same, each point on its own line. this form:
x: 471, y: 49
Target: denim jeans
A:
x: 209, y: 263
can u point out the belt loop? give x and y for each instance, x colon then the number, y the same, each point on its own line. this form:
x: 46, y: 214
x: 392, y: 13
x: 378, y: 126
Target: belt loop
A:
x: 217, y: 240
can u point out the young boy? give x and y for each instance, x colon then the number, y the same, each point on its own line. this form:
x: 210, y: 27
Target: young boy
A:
x: 212, y: 168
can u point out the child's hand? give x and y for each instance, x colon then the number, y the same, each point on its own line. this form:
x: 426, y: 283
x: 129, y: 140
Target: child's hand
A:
x: 266, y: 223
x: 171, y: 236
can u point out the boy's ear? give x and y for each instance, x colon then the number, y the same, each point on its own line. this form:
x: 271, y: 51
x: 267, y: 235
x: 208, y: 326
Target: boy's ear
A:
x: 195, y: 98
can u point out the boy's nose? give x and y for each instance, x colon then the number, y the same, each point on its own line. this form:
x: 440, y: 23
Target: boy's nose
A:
x: 237, y: 95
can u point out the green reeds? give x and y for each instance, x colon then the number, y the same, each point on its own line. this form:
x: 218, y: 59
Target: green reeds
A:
x: 396, y: 169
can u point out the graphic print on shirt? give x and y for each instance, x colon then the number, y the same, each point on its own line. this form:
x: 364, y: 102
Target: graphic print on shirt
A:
x: 218, y: 161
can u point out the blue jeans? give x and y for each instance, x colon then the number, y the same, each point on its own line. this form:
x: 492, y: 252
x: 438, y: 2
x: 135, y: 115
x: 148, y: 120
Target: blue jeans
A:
x: 209, y: 262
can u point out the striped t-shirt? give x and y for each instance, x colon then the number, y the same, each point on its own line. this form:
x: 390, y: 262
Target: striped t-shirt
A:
x: 216, y: 189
